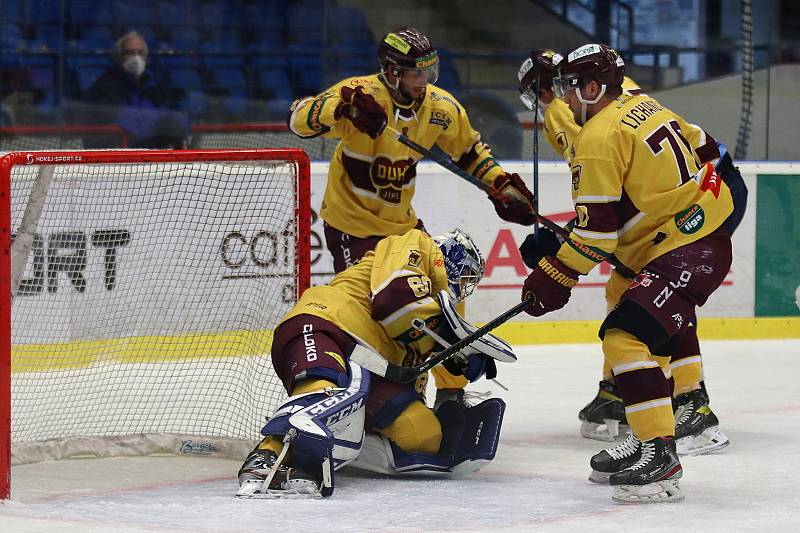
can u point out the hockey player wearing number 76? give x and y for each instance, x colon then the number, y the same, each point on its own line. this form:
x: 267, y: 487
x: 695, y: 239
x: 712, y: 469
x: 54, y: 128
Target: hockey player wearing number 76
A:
x: 397, y: 301
x: 641, y: 194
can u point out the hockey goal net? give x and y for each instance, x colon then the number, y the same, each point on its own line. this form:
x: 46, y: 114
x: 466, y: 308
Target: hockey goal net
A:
x: 146, y: 285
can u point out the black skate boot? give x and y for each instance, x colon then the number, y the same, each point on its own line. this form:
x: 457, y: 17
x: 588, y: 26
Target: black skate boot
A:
x: 654, y: 477
x: 287, y: 482
x: 614, y: 459
x: 604, y: 417
x: 696, y: 426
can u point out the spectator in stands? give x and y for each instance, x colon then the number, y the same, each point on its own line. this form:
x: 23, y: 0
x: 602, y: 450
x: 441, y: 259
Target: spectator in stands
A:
x: 133, y: 97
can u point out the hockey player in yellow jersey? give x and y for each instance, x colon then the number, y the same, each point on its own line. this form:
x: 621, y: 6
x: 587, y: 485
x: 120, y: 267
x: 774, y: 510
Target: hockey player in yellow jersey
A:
x: 371, y: 178
x: 640, y: 193
x: 374, y: 303
x: 603, y: 418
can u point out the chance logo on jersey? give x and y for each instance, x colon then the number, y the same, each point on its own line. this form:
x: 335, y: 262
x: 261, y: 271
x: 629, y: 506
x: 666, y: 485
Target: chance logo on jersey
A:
x: 690, y: 220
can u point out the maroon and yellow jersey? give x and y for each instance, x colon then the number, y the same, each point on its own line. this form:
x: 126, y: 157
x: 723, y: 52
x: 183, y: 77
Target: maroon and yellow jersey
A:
x: 371, y: 181
x: 638, y: 187
x: 376, y: 299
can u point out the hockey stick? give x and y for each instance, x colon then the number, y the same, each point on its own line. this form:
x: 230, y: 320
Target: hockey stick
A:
x: 536, y: 150
x: 376, y: 364
x: 461, y: 173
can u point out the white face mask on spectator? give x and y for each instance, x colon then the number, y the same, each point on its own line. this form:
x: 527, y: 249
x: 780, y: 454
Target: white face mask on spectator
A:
x: 134, y: 65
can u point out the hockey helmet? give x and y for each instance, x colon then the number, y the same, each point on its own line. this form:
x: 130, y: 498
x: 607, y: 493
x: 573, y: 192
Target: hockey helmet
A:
x: 407, y: 48
x: 542, y: 63
x: 595, y: 62
x: 463, y: 262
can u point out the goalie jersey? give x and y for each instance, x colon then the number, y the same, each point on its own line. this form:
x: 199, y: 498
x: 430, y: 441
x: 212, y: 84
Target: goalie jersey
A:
x: 371, y: 182
x: 638, y: 187
x: 376, y: 299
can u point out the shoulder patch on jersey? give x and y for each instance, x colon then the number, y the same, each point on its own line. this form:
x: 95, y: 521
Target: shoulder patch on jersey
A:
x: 440, y: 118
x: 690, y: 220
x: 414, y: 258
x: 561, y: 141
x: 576, y: 177
x: 437, y: 97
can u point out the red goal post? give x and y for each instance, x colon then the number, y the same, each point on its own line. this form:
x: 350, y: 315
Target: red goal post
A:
x: 146, y: 286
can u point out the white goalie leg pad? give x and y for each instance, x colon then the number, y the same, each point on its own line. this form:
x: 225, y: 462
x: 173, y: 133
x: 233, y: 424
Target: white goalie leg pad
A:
x: 328, y: 427
x: 477, y: 444
x: 488, y: 344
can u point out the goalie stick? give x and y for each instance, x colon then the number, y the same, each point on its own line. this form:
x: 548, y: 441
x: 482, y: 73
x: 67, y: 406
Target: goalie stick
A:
x: 379, y: 366
x: 461, y: 173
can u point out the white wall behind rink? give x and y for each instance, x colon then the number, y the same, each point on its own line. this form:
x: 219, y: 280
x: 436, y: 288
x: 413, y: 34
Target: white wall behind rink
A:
x: 444, y: 201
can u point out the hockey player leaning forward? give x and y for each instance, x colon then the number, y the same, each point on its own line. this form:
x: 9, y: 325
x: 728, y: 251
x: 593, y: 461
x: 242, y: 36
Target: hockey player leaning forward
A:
x: 697, y: 428
x: 321, y: 426
x: 640, y: 193
x: 371, y: 178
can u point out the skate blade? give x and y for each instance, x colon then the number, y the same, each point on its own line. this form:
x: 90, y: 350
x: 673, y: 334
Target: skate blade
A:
x: 301, y: 489
x: 709, y: 441
x: 599, y: 478
x: 667, y: 491
x: 610, y: 431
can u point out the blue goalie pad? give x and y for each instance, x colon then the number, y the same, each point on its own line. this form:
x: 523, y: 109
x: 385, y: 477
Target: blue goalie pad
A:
x: 326, y: 428
x: 474, y: 447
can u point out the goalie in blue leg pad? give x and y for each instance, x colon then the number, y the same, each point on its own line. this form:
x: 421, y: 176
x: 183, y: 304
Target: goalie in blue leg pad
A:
x: 469, y: 442
x: 322, y: 432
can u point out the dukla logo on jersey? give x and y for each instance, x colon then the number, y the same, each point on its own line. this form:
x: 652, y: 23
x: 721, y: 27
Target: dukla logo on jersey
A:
x: 390, y: 177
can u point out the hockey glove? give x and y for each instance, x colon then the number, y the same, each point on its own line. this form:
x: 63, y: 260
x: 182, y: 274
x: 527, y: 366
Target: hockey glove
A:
x: 362, y: 110
x: 471, y: 366
x: 551, y: 284
x: 512, y: 200
x: 540, y: 244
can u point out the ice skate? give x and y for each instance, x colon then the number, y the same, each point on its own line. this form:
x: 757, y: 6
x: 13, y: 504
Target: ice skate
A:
x: 604, y: 417
x: 614, y: 459
x: 653, y: 478
x: 263, y: 476
x: 696, y: 426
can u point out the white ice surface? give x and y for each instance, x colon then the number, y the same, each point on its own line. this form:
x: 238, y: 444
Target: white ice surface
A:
x: 538, y: 482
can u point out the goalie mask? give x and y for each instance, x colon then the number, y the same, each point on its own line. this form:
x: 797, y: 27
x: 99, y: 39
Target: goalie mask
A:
x: 463, y: 262
x: 408, y: 49
x: 542, y: 63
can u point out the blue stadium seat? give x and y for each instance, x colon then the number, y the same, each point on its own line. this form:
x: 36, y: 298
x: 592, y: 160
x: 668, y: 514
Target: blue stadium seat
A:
x: 231, y: 84
x: 215, y: 16
x: 12, y: 37
x: 262, y: 17
x: 13, y: 12
x: 177, y: 14
x: 186, y: 78
x: 272, y: 84
x: 350, y: 19
x: 266, y: 41
x: 84, y: 13
x: 306, y: 71
x: 47, y: 36
x: 185, y: 38
x: 86, y: 76
x: 132, y: 14
x: 45, y: 12
x: 96, y: 38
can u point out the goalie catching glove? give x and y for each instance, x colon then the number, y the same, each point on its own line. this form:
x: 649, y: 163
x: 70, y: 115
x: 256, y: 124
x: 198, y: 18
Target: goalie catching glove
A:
x: 362, y: 110
x: 512, y: 200
x: 478, y: 358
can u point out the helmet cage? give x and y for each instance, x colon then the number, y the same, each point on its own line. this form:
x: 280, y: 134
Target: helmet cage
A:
x: 537, y: 71
x: 463, y: 262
